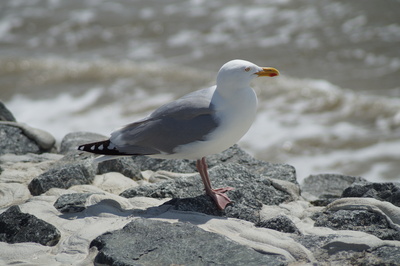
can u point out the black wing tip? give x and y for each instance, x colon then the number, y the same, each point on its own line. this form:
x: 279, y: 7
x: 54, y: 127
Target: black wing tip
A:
x: 101, y: 147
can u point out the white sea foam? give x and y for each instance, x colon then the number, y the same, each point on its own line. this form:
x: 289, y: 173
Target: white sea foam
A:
x: 311, y: 124
x: 318, y: 127
x: 66, y: 113
x: 95, y: 67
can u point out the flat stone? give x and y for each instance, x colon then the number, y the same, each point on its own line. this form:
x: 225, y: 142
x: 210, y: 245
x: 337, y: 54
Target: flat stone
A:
x: 18, y: 227
x: 152, y: 242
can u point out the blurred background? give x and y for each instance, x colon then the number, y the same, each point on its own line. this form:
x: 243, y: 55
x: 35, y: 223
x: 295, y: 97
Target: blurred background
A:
x: 95, y: 65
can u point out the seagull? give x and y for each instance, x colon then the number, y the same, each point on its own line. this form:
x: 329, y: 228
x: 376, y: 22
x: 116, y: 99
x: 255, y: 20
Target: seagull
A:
x: 201, y: 123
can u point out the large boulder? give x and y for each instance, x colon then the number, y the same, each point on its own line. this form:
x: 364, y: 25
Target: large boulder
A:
x: 151, y: 242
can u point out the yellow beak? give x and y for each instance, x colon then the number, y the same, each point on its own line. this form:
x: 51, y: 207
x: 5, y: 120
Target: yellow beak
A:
x: 268, y: 72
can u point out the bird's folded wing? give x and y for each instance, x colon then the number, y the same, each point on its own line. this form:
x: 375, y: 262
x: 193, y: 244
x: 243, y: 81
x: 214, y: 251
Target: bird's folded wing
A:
x: 180, y: 122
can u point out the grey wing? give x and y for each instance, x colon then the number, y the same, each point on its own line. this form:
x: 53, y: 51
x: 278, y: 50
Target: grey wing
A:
x: 188, y: 119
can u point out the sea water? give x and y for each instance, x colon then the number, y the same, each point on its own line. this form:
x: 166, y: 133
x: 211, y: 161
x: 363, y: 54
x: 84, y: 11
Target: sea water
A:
x: 97, y: 65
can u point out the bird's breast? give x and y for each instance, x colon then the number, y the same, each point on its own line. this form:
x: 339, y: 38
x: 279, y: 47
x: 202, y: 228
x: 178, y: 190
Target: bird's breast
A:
x: 234, y: 118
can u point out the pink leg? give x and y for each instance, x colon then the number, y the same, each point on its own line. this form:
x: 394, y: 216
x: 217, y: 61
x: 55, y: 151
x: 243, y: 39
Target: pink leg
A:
x: 218, y: 195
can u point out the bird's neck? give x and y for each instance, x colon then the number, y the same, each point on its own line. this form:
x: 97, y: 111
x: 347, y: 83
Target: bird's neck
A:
x: 231, y: 85
x: 235, y: 98
x: 233, y: 91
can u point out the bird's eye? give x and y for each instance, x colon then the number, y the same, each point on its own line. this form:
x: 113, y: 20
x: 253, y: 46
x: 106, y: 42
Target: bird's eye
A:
x: 247, y: 69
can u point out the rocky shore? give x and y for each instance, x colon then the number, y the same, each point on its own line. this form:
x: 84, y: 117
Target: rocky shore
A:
x: 59, y: 208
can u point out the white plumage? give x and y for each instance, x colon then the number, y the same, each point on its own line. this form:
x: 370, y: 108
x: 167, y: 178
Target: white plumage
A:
x: 198, y: 124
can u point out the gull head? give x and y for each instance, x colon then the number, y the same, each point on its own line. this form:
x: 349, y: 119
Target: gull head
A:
x: 239, y: 73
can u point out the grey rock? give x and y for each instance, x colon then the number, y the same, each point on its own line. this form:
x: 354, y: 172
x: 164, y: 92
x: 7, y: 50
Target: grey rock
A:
x: 329, y: 184
x: 203, y: 204
x: 339, y: 246
x: 317, y: 245
x: 357, y: 220
x: 381, y: 191
x: 251, y: 192
x: 5, y: 114
x: 328, y: 187
x: 257, y: 183
x: 71, y: 141
x: 385, y: 255
x: 123, y: 165
x: 15, y: 142
x: 71, y: 203
x: 44, y: 140
x: 337, y: 252
x: 232, y: 155
x: 72, y: 169
x: 151, y: 242
x: 173, y: 165
x: 73, y: 157
x: 327, y: 251
x: 279, y: 223
x: 18, y: 227
x: 236, y: 155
